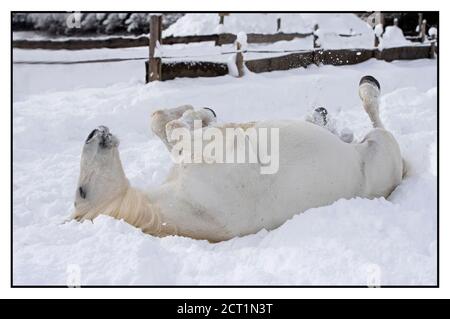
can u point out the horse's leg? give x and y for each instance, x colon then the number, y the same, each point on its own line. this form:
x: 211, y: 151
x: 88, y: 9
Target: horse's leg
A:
x: 380, y: 152
x: 321, y: 117
x: 208, y: 116
x: 204, y: 116
x: 369, y: 92
x: 160, y: 118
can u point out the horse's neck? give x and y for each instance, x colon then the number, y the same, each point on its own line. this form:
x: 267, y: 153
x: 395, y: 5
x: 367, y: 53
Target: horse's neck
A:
x: 141, y: 210
x: 133, y: 206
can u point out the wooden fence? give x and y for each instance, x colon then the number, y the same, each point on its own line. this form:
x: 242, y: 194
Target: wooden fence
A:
x: 192, y: 69
x: 171, y: 70
x: 158, y: 69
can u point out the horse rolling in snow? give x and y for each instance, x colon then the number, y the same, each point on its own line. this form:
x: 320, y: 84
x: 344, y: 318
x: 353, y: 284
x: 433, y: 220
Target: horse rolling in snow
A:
x: 216, y: 201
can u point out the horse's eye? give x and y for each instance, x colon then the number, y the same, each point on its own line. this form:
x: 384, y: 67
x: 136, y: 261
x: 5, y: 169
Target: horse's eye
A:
x: 90, y: 136
x: 82, y: 192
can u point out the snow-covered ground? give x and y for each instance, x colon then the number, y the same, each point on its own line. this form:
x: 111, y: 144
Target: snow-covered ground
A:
x: 357, y: 241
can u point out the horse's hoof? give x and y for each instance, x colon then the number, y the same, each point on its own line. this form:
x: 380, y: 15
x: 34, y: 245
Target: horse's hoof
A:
x: 370, y: 79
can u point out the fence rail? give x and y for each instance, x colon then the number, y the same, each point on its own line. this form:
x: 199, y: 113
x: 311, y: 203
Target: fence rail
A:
x: 142, y: 41
x: 81, y: 44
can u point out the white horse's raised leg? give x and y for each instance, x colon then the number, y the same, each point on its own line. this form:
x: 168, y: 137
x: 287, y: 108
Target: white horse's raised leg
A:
x: 205, y: 116
x: 369, y: 92
x: 164, y: 121
x: 160, y: 118
x: 380, y: 152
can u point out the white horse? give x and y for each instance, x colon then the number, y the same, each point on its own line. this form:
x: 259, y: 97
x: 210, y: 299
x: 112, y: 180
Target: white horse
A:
x: 220, y: 201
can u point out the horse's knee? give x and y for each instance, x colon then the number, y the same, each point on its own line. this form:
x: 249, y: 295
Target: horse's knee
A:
x: 160, y: 118
x: 158, y: 122
x: 173, y: 125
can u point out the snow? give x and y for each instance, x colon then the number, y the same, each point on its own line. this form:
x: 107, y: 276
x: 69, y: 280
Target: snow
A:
x: 432, y: 32
x: 56, y: 106
x: 242, y: 39
x: 393, y: 37
x: 378, y: 30
x: 37, y: 79
x: 330, y: 40
x: 40, y: 55
x: 31, y: 79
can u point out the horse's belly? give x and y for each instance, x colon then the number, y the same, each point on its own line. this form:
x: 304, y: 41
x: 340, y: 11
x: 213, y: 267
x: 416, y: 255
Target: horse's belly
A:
x: 315, y: 169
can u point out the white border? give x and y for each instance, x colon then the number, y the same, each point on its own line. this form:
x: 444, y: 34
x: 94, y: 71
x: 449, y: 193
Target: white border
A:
x: 224, y: 5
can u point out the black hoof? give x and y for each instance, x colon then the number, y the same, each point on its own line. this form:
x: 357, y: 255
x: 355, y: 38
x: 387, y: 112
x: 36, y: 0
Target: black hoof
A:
x: 104, y: 130
x: 370, y: 79
x: 322, y: 114
x: 323, y: 111
x: 214, y: 113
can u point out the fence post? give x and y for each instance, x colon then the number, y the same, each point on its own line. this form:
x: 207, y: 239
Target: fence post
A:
x: 222, y: 17
x: 154, y: 63
x: 433, y: 46
x: 378, y: 31
x: 221, y: 38
x: 239, y: 59
x: 316, y: 37
x: 278, y: 24
x: 380, y: 18
x: 432, y: 50
x: 378, y: 27
x: 423, y: 31
x: 419, y: 24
